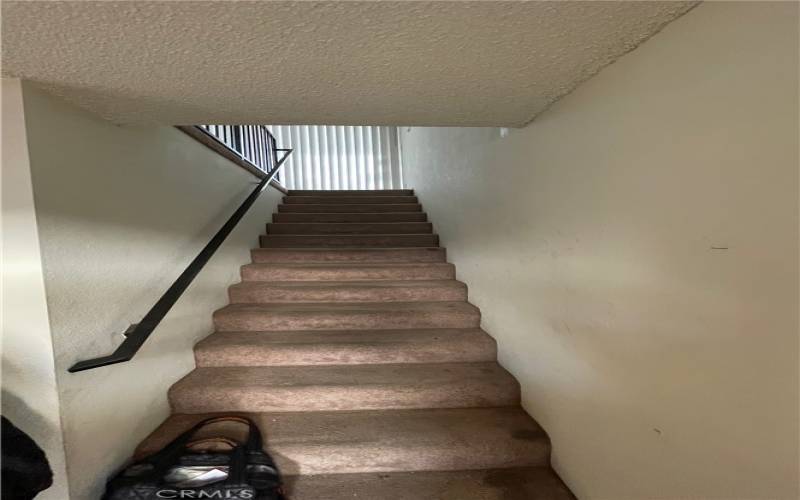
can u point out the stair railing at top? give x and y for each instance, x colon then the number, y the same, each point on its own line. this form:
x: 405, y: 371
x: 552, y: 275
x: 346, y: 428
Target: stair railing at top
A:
x: 255, y: 145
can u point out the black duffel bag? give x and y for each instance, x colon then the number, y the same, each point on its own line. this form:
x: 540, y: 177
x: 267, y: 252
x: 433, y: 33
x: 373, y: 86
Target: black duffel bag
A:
x: 178, y: 471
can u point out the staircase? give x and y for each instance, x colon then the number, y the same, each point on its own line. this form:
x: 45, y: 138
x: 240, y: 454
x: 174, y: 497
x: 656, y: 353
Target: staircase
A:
x: 354, y: 348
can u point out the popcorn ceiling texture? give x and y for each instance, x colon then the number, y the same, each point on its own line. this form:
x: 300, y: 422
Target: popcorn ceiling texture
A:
x: 367, y: 63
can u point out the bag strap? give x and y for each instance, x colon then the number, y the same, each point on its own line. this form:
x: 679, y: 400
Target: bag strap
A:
x: 169, y: 455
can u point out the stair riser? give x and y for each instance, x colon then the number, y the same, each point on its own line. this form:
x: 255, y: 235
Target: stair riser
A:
x: 349, y: 200
x: 470, y: 346
x: 351, y: 208
x: 275, y: 255
x: 476, y: 393
x: 364, y: 217
x: 350, y: 320
x: 351, y: 192
x: 315, y: 241
x: 343, y: 293
x: 262, y: 272
x: 350, y: 228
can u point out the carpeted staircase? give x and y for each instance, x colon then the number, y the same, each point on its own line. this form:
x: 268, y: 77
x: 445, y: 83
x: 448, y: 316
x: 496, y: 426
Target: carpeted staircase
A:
x: 355, y: 349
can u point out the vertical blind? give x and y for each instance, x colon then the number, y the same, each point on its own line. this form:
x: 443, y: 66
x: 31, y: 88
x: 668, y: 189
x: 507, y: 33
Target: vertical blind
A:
x: 339, y: 157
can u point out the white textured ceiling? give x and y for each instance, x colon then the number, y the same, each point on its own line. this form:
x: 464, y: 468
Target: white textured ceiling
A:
x: 485, y: 63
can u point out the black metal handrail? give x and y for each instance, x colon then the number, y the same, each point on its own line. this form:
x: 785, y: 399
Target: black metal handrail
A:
x: 256, y: 145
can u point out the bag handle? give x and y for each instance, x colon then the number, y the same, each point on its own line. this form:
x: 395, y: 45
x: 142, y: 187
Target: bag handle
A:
x: 254, y: 441
x: 169, y: 455
x: 191, y: 445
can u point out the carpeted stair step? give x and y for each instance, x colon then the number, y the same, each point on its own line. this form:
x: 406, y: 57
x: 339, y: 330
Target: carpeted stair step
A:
x: 438, y: 345
x: 389, y: 440
x: 328, y: 207
x: 343, y: 387
x: 519, y: 483
x: 346, y: 316
x: 357, y: 217
x: 348, y: 291
x: 348, y: 240
x: 351, y: 192
x: 347, y: 271
x: 365, y: 255
x: 349, y: 200
x: 349, y: 228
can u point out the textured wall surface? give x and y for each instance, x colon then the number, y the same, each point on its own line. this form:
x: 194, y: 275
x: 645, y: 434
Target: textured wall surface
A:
x: 634, y: 251
x: 336, y: 63
x: 29, y: 389
x: 121, y: 211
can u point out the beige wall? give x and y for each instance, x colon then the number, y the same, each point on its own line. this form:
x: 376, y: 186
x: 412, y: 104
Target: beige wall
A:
x: 121, y: 211
x: 635, y: 253
x: 29, y: 390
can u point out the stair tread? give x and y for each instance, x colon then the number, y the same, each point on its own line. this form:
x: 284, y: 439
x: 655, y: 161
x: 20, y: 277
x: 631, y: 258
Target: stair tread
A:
x: 350, y: 200
x: 353, y: 249
x: 364, y: 217
x: 386, y: 224
x: 381, y: 214
x: 263, y: 377
x: 350, y: 265
x: 352, y: 307
x: 256, y: 285
x: 350, y: 240
x: 519, y: 483
x: 333, y: 284
x: 349, y: 208
x: 344, y: 387
x: 344, y: 254
x: 346, y: 315
x: 334, y: 337
x: 276, y: 348
x: 373, y: 290
x: 372, y: 227
x: 351, y: 192
x: 388, y: 440
x: 338, y: 235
